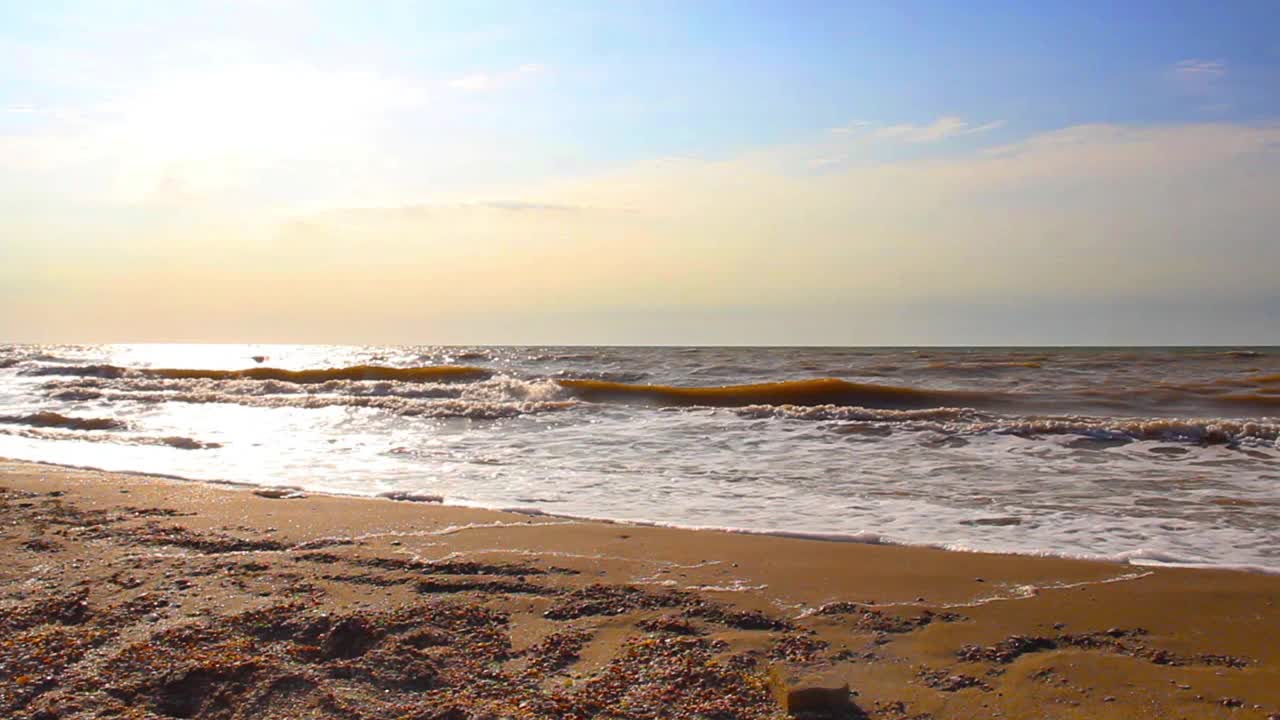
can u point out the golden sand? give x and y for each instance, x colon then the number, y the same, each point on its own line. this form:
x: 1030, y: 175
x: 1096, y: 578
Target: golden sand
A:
x: 134, y: 596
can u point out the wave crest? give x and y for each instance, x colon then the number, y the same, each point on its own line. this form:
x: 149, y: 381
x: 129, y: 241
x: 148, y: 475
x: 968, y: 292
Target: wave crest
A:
x: 428, y: 373
x: 825, y: 391
x: 50, y: 419
x: 968, y: 421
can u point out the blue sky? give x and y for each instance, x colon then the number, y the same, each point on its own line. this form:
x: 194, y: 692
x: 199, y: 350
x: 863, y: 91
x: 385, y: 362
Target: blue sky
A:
x: 641, y: 78
x: 138, y: 134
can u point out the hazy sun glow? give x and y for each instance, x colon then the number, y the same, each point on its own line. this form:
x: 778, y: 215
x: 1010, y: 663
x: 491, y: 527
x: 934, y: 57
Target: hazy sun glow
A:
x: 247, y: 172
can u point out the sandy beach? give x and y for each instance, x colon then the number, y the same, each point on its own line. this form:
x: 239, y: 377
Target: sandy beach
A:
x: 145, y: 597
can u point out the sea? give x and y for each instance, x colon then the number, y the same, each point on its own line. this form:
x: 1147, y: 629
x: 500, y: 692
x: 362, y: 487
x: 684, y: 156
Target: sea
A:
x: 1143, y: 455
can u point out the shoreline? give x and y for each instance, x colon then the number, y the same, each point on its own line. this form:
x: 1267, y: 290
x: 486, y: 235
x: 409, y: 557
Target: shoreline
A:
x: 100, y: 565
x: 1132, y: 558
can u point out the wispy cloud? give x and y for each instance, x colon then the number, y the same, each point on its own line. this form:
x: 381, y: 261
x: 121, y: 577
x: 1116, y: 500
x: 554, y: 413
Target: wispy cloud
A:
x: 946, y: 127
x: 489, y: 82
x: 1200, y: 69
x: 943, y: 128
x: 858, y: 138
x: 423, y: 211
x: 1205, y: 82
x: 856, y: 126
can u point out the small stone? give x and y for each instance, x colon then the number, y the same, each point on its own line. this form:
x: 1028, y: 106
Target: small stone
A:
x: 1109, y: 698
x: 278, y: 493
x: 819, y: 697
x: 347, y: 639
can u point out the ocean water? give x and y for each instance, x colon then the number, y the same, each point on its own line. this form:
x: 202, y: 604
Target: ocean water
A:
x: 1152, y: 455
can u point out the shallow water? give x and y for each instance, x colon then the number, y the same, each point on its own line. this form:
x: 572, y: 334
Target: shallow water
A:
x: 1154, y: 455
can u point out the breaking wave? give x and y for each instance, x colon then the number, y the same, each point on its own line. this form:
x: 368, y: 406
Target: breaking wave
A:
x: 174, y: 441
x: 967, y: 421
x: 493, y: 398
x: 602, y: 387
x: 826, y: 391
x: 403, y: 406
x: 57, y: 420
x: 1256, y: 393
x: 431, y: 373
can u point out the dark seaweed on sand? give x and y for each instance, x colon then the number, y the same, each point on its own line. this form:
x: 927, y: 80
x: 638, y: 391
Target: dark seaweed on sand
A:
x: 435, y: 659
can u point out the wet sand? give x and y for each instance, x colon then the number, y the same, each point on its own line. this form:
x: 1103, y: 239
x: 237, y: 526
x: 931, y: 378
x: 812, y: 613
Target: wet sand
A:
x: 142, y: 597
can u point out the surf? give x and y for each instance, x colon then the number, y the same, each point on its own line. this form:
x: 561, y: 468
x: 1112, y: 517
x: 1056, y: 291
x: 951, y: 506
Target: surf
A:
x: 824, y: 391
x: 49, y: 419
x: 376, y: 373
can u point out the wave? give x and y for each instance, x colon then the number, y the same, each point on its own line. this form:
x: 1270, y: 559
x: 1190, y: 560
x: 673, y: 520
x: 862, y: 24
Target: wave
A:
x: 977, y: 365
x: 826, y: 391
x: 56, y: 420
x: 434, y: 382
x: 430, y: 373
x: 49, y: 433
x: 861, y: 414
x: 1255, y: 394
x: 1252, y: 400
x: 93, y: 388
x: 473, y: 409
x: 967, y: 421
x: 601, y: 375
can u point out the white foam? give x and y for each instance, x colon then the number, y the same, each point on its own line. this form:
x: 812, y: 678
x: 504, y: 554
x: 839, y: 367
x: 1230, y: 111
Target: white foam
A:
x: 1151, y: 491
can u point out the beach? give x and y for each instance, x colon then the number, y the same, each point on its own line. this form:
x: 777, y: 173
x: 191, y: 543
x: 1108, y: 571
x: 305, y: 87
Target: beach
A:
x: 129, y: 595
x: 1165, y: 455
x: 639, y: 361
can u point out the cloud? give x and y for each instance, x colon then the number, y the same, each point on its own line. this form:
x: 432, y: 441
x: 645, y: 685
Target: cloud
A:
x: 1201, y: 79
x: 864, y: 140
x: 209, y: 130
x: 490, y: 82
x: 856, y: 126
x: 1200, y: 69
x: 1090, y: 217
x: 943, y: 128
x: 519, y: 206
x: 421, y: 211
x: 1170, y: 208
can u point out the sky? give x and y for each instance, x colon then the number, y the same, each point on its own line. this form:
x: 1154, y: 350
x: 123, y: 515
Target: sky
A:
x: 905, y: 173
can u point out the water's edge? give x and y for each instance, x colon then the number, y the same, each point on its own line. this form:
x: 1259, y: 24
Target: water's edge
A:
x: 1137, y: 558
